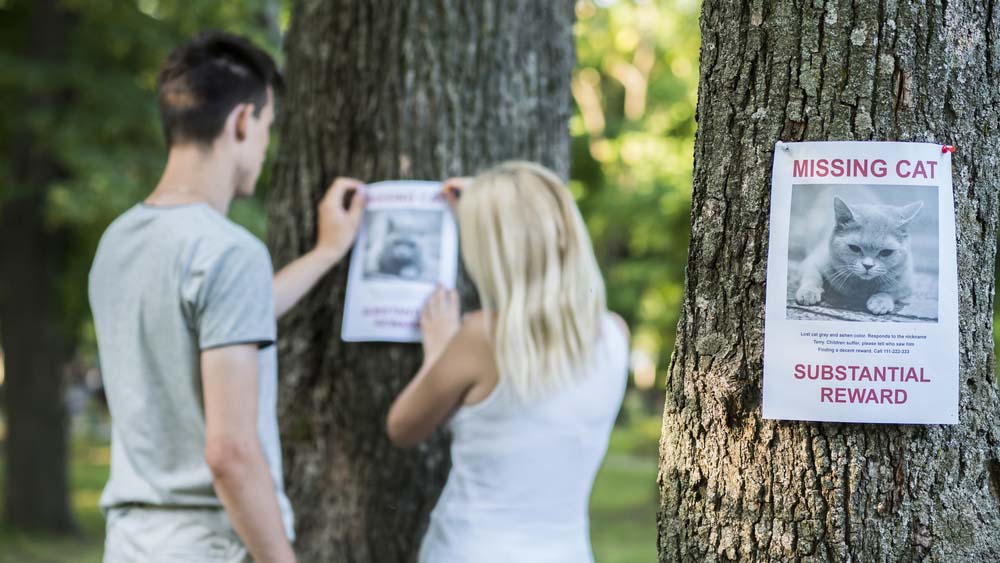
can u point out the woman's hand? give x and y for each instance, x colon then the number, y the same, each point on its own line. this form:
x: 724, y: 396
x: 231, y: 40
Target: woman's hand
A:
x: 456, y: 356
x: 439, y: 321
x: 452, y: 189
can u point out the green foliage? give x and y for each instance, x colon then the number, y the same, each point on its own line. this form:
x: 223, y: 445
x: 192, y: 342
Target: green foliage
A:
x: 99, y: 124
x: 623, y: 503
x: 633, y: 139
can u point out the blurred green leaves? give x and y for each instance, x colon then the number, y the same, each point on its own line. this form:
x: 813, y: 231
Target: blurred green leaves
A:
x: 92, y: 110
x: 633, y: 137
x: 104, y: 130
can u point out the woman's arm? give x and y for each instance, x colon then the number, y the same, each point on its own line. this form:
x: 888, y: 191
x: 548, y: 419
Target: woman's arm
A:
x: 454, y: 355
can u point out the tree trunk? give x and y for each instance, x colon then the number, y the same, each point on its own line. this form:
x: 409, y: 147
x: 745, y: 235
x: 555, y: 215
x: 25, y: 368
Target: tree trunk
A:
x: 739, y: 488
x: 36, y: 494
x: 380, y: 89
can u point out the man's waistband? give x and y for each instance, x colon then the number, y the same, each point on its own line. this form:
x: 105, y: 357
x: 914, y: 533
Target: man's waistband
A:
x: 164, y: 507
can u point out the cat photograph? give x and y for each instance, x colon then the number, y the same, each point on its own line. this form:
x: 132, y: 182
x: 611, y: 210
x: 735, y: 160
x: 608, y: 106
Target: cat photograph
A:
x: 403, y: 245
x: 400, y: 257
x: 863, y: 253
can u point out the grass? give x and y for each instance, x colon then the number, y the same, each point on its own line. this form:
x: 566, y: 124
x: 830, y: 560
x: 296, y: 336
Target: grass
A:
x: 622, y: 506
x: 625, y: 497
x: 88, y: 473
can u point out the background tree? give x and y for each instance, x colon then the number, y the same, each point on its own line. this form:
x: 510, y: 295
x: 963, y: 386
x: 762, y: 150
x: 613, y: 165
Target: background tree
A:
x: 79, y: 143
x: 735, y: 487
x: 36, y: 493
x: 633, y: 133
x: 381, y: 89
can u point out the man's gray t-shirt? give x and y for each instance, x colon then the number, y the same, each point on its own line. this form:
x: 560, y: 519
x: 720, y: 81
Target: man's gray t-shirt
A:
x: 167, y: 283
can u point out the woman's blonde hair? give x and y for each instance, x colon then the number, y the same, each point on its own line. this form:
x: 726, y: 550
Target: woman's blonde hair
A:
x: 527, y: 250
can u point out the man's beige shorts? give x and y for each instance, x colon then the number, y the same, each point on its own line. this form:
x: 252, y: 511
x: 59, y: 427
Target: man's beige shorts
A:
x: 171, y: 535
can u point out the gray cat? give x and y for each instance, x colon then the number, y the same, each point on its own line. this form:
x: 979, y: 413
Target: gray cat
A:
x: 866, y: 258
x: 400, y: 254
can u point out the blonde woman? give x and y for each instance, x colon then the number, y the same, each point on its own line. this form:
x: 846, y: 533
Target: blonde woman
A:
x: 532, y: 383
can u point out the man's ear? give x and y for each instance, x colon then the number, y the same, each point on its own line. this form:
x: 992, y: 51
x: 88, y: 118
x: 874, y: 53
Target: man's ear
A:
x: 241, y: 120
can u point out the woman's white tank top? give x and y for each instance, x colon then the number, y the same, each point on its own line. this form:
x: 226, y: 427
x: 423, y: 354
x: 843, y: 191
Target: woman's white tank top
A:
x: 522, y: 472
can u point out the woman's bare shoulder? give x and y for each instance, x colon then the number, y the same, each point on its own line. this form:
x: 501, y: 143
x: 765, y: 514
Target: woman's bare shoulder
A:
x: 476, y: 327
x: 621, y: 324
x: 475, y: 337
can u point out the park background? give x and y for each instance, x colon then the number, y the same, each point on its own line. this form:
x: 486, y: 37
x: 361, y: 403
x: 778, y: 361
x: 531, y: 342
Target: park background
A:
x: 634, y: 91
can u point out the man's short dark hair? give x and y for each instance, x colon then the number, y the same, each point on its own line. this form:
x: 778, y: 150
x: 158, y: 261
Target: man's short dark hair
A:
x: 204, y: 79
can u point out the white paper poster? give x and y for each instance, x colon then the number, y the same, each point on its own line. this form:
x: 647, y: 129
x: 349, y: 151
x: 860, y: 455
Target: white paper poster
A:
x: 408, y: 243
x: 861, y: 321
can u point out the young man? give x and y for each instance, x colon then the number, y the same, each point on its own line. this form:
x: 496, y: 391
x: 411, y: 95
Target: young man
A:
x: 184, y: 305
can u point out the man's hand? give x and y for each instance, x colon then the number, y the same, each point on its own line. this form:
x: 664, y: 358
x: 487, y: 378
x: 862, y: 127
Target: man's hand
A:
x: 339, y: 218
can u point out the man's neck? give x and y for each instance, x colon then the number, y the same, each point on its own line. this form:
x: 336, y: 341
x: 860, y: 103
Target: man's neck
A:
x: 195, y: 175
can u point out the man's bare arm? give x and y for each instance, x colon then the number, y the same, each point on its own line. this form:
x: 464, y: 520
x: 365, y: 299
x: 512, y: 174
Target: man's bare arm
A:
x: 234, y: 455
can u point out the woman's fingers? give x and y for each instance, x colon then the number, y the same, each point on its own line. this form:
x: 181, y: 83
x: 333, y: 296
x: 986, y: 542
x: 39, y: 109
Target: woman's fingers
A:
x: 433, y: 304
x: 453, y: 188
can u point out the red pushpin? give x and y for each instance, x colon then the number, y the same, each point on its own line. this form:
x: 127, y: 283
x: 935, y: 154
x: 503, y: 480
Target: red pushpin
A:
x: 947, y: 148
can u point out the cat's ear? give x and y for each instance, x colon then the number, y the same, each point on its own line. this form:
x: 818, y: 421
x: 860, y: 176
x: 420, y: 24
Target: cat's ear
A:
x: 842, y: 212
x: 908, y: 212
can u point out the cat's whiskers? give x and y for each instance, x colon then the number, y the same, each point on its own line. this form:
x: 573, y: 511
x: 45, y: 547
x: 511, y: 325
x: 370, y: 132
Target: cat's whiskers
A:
x: 838, y: 279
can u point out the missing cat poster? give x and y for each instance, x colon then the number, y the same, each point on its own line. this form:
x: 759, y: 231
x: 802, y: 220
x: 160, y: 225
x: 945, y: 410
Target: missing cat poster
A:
x: 861, y: 316
x: 407, y: 244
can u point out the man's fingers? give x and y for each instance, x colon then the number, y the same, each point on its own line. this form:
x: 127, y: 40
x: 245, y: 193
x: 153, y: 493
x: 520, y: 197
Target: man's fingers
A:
x: 357, y: 205
x: 339, y: 191
x: 343, y: 183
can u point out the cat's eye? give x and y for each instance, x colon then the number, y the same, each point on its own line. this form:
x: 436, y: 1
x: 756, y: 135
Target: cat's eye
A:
x: 885, y: 253
x: 854, y: 248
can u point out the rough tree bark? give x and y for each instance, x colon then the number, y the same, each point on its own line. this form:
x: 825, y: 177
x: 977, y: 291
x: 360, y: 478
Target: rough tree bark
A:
x: 36, y: 488
x: 738, y: 488
x: 380, y: 89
